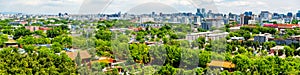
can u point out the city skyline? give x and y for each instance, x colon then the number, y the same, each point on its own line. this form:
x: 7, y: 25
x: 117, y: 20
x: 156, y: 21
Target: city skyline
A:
x: 112, y: 6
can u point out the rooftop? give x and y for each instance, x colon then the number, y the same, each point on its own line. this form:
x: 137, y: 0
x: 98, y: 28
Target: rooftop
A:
x: 219, y: 34
x: 224, y: 64
x: 11, y: 41
x: 200, y: 33
x: 237, y: 38
x: 84, y: 54
x: 277, y: 48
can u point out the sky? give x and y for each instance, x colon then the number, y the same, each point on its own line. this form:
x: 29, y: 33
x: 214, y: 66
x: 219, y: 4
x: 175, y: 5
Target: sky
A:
x: 146, y: 6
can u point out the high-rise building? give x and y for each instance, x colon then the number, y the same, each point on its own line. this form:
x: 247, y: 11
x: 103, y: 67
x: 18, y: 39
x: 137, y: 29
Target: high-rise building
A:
x: 275, y: 16
x: 265, y: 16
x: 241, y: 19
x: 60, y: 14
x: 250, y: 13
x: 199, y: 13
x: 290, y: 14
x: 298, y: 14
x: 197, y: 19
x: 246, y: 19
x: 209, y: 13
x: 203, y: 12
x: 282, y: 15
x: 198, y: 10
x: 246, y: 13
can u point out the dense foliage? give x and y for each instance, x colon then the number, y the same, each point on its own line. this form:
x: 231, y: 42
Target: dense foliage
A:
x: 42, y: 62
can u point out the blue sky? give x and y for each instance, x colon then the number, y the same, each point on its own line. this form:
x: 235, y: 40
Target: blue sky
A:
x: 145, y: 6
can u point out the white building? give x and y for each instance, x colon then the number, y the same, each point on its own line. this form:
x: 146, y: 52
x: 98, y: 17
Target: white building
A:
x: 252, y: 22
x: 194, y: 36
x: 142, y: 20
x: 217, y: 36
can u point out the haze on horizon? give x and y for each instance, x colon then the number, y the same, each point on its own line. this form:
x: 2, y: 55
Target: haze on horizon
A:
x: 145, y: 6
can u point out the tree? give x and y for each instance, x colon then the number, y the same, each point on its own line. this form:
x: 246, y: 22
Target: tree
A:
x: 208, y: 47
x: 21, y: 32
x: 123, y: 38
x: 103, y: 48
x: 140, y: 53
x: 56, y: 47
x: 174, y: 36
x: 43, y: 41
x: 158, y: 54
x: 78, y: 59
x: 199, y: 71
x: 173, y: 56
x: 165, y: 40
x: 242, y: 50
x: 295, y: 21
x: 29, y: 48
x: 29, y: 63
x: 184, y: 44
x: 84, y: 70
x: 201, y: 42
x: 167, y: 70
x: 7, y: 31
x: 289, y: 51
x: 270, y: 44
x: 53, y: 33
x: 4, y: 37
x: 229, y: 48
x: 98, y: 67
x: 104, y: 35
x: 189, y: 59
x: 204, y: 58
x: 242, y: 62
x: 40, y: 32
x: 27, y: 40
x: 201, y: 30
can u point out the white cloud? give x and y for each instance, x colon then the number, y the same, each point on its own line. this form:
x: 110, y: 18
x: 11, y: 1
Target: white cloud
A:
x: 239, y: 6
x: 96, y: 6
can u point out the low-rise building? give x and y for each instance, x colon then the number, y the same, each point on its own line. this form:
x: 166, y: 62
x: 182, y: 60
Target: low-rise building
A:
x: 261, y: 38
x: 235, y: 28
x: 11, y: 43
x: 36, y: 28
x: 209, y: 23
x: 277, y: 50
x: 217, y: 36
x: 18, y: 22
x: 194, y: 36
x: 84, y: 55
x: 223, y: 65
x: 237, y: 38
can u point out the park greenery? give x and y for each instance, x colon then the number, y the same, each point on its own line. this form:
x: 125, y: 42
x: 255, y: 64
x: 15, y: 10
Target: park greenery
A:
x: 170, y: 55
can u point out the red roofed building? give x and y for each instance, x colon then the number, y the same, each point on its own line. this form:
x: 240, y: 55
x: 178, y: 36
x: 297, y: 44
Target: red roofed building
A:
x: 136, y: 29
x: 271, y: 25
x: 287, y: 26
x: 36, y: 28
x: 282, y: 26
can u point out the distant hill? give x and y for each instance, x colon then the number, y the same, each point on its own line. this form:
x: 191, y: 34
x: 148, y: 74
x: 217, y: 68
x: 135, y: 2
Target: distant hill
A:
x: 9, y: 12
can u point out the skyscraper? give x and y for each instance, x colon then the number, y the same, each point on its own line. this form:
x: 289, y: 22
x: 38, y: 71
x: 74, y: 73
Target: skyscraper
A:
x: 290, y: 14
x: 250, y: 13
x: 60, y: 14
x: 198, y: 10
x: 246, y: 13
x: 203, y: 12
x: 199, y: 13
x: 275, y: 16
x: 265, y: 15
x: 209, y: 13
x: 298, y: 14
